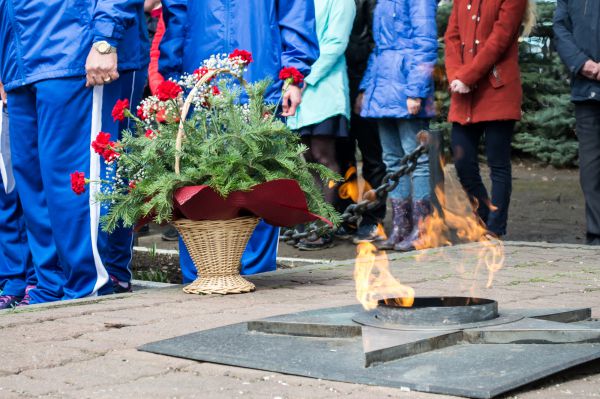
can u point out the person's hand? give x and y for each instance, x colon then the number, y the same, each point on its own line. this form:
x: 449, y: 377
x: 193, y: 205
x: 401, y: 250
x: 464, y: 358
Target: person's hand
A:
x: 150, y: 5
x: 291, y: 99
x: 2, y: 94
x: 459, y: 87
x: 100, y: 69
x: 591, y: 70
x: 414, y: 105
x: 358, y: 103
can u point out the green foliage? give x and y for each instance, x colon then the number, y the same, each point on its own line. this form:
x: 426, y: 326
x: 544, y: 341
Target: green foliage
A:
x: 546, y: 131
x: 227, y: 146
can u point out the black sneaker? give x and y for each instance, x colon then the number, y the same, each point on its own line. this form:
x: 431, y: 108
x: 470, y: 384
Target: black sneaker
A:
x: 368, y: 233
x: 170, y: 235
x: 120, y: 287
x: 316, y: 245
x: 345, y: 232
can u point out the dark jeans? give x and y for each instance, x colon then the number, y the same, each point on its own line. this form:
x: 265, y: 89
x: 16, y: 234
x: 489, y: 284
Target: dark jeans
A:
x: 364, y: 133
x: 465, y: 147
x: 587, y: 115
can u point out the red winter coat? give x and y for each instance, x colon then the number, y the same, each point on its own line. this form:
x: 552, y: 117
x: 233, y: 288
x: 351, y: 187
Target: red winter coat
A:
x: 482, y: 51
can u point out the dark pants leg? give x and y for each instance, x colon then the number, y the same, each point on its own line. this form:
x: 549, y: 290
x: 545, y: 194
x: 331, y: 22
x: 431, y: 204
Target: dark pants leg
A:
x: 364, y: 133
x: 588, y: 132
x: 322, y: 149
x: 465, y: 147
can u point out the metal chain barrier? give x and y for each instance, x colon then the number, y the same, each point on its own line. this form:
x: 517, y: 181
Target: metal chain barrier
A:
x: 374, y: 198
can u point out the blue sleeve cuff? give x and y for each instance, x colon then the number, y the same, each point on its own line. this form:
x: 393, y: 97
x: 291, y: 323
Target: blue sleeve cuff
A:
x: 107, y: 31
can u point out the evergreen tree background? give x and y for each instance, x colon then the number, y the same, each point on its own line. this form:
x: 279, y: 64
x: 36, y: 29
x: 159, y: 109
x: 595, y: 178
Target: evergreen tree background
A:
x: 547, y: 130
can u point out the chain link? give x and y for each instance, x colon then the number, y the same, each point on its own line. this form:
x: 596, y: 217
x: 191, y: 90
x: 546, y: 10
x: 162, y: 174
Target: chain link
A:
x: 353, y: 212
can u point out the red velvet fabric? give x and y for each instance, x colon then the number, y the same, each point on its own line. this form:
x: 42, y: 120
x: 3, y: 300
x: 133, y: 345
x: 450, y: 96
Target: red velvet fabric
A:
x: 278, y: 202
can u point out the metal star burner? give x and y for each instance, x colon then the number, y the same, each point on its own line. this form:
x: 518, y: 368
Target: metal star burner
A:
x: 451, y: 345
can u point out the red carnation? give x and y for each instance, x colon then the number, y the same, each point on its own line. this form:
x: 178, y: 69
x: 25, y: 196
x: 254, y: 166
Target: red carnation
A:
x: 118, y: 112
x: 102, y: 141
x: 163, y: 117
x: 291, y: 75
x: 109, y: 154
x: 78, y: 182
x: 151, y: 134
x: 215, y: 91
x: 168, y: 90
x: 200, y: 72
x: 140, y: 113
x: 103, y: 146
x: 243, y: 55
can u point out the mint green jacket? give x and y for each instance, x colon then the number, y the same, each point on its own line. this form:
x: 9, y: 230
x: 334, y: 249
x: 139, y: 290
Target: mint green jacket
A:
x: 327, y: 92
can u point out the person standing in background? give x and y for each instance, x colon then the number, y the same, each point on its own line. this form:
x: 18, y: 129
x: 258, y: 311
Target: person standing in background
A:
x: 580, y: 51
x: 17, y: 275
x: 363, y: 131
x: 64, y: 66
x: 482, y: 64
x: 322, y: 119
x: 278, y: 33
x: 397, y: 91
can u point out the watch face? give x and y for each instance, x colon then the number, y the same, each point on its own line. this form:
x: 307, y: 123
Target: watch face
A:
x: 103, y: 47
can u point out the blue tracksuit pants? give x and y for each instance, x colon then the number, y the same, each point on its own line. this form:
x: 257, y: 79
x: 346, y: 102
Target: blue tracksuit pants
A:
x: 259, y: 257
x: 16, y: 266
x: 53, y: 123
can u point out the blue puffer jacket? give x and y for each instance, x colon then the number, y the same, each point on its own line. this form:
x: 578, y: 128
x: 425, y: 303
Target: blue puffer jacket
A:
x: 402, y: 62
x: 279, y: 33
x: 45, y: 39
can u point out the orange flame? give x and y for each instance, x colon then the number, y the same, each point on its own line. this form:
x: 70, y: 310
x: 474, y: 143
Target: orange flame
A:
x: 457, y: 222
x: 355, y: 188
x: 375, y: 282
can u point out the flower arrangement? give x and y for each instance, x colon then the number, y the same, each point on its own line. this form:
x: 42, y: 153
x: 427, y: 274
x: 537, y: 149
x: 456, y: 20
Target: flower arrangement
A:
x: 224, y: 137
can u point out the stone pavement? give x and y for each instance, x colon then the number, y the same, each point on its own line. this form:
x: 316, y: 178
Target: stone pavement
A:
x: 87, y: 348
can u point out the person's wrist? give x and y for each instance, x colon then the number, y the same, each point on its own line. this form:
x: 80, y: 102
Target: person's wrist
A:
x: 104, y: 47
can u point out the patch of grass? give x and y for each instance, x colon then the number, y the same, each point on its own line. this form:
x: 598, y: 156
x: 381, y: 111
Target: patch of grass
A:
x: 154, y: 275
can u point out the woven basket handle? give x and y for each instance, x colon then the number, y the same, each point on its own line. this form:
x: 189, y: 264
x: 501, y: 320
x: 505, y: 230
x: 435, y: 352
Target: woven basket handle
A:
x: 185, y: 109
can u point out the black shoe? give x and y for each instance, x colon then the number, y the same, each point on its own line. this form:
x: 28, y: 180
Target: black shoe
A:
x: 368, y: 233
x: 316, y: 245
x: 170, y: 235
x: 592, y: 239
x: 119, y: 287
x: 345, y: 232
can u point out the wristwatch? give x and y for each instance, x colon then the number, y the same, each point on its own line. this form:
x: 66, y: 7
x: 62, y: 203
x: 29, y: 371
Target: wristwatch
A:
x: 104, y: 47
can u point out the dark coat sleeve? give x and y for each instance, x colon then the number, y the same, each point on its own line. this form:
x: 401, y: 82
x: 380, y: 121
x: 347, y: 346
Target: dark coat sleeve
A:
x: 564, y: 40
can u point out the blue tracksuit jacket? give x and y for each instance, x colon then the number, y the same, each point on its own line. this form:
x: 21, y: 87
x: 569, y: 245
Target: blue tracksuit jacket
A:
x: 47, y: 39
x: 278, y: 33
x: 54, y: 118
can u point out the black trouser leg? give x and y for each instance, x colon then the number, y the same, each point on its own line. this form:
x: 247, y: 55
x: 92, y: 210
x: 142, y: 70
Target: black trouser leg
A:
x: 465, y: 146
x: 367, y: 137
x: 588, y: 132
x: 465, y: 149
x: 498, y: 137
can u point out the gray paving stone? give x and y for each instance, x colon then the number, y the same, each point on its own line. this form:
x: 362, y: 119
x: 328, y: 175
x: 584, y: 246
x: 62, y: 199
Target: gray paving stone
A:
x: 52, y: 350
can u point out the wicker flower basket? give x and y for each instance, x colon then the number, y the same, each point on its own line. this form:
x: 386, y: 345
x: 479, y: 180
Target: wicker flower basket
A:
x: 216, y: 247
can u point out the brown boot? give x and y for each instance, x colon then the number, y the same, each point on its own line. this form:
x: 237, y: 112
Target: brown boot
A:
x: 401, y: 223
x: 420, y: 210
